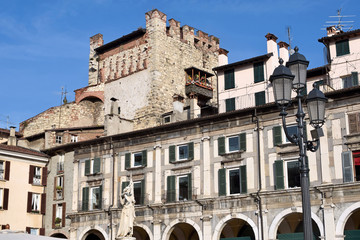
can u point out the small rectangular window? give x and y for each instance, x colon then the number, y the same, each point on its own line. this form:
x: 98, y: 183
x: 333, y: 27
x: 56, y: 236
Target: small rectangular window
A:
x: 234, y: 143
x: 230, y: 104
x: 183, y: 188
x: 74, y: 138
x: 293, y: 174
x: 229, y: 79
x: 292, y: 130
x: 258, y: 72
x: 234, y: 179
x: 35, y: 202
x: 92, y: 166
x: 137, y: 159
x: 37, y: 176
x: 183, y: 152
x: 1, y: 198
x: 260, y: 98
x: 167, y: 119
x: 342, y: 47
x: 2, y: 170
x: 95, y: 198
x: 58, y: 139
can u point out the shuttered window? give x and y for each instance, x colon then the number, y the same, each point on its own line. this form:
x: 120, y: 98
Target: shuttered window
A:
x: 85, y: 199
x: 181, y: 152
x: 229, y: 79
x: 243, y: 141
x: 221, y: 145
x: 279, y: 174
x: 342, y: 47
x: 4, y: 198
x: 236, y: 181
x: 96, y: 165
x: 137, y: 159
x: 230, y: 104
x: 258, y: 72
x: 277, y: 137
x: 354, y: 123
x: 222, y: 181
x: 170, y: 194
x: 347, y: 167
x: 260, y: 98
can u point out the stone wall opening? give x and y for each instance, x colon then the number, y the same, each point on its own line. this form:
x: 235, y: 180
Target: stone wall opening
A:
x: 93, y: 235
x: 183, y: 231
x: 140, y: 234
x: 292, y: 227
x: 352, y: 226
x: 237, y: 229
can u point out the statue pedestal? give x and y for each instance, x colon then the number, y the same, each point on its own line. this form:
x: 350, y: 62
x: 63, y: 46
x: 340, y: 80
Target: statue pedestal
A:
x: 125, y: 238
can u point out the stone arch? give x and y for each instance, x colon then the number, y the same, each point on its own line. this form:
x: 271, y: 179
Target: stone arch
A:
x: 278, y: 219
x: 344, y: 217
x: 87, y: 229
x: 147, y: 230
x: 241, y: 216
x: 59, y: 232
x: 167, y: 231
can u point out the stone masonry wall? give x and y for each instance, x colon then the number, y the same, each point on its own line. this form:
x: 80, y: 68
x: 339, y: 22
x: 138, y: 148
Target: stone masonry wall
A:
x: 86, y: 113
x: 170, y: 52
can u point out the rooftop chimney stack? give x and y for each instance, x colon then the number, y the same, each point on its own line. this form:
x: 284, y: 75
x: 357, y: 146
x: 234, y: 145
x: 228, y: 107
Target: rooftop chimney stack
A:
x: 272, y: 48
x: 12, y: 138
x: 284, y: 51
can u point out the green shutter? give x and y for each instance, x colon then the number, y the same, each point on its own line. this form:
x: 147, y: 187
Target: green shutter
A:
x: 100, y: 197
x: 96, y: 165
x: 87, y: 167
x: 144, y: 158
x: 347, y: 167
x: 242, y: 138
x: 85, y: 199
x: 279, y: 174
x: 260, y: 98
x: 342, y: 47
x: 354, y: 77
x: 127, y: 160
x: 230, y: 104
x: 221, y: 145
x: 222, y: 181
x: 142, y: 196
x: 258, y: 72
x: 170, y: 196
x: 243, y: 179
x: 189, y: 187
x: 191, y: 150
x: 277, y: 138
x: 229, y: 79
x: 172, y: 155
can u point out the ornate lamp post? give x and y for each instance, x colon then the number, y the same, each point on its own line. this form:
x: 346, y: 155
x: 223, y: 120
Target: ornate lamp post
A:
x: 293, y: 77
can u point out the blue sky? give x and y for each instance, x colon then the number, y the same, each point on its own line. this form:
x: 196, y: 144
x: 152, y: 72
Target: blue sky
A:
x: 44, y: 44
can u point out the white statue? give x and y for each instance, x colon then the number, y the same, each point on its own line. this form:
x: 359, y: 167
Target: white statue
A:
x: 127, y: 200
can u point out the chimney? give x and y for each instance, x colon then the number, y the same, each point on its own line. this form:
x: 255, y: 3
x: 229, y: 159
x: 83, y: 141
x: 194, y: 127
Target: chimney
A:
x: 223, y: 57
x: 12, y: 138
x: 195, y: 110
x: 273, y: 62
x: 114, y: 108
x: 284, y: 51
x: 178, y: 103
x: 332, y: 31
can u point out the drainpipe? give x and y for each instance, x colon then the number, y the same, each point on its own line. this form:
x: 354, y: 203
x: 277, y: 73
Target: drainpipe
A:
x: 258, y: 197
x: 217, y: 91
x: 113, y: 188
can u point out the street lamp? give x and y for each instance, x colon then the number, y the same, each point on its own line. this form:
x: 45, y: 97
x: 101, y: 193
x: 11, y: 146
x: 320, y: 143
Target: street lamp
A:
x: 284, y: 80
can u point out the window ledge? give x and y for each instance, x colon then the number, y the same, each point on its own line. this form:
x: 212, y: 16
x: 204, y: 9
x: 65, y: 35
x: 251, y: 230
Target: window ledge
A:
x: 93, y: 174
x: 233, y: 156
x: 135, y: 168
x: 182, y: 161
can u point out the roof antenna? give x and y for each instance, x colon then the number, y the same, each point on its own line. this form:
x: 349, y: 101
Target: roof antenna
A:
x: 340, y: 25
x: 288, y: 28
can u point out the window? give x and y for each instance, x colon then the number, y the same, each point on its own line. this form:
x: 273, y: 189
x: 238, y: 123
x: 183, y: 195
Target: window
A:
x: 292, y: 174
x: 58, y: 139
x: 74, y: 138
x: 351, y: 166
x: 59, y: 187
x: 167, y: 119
x: 179, y: 188
x: 229, y: 79
x: 37, y: 175
x: 232, y: 181
x: 92, y: 198
x: 137, y: 159
x: 231, y: 144
x: 4, y: 198
x: 139, y: 191
x: 92, y: 166
x: 181, y: 152
x: 354, y: 123
x: 35, y: 231
x: 342, y: 47
x: 59, y: 215
x: 258, y: 72
x: 36, y: 203
x: 4, y: 170
x: 260, y: 98
x: 230, y: 104
x: 351, y: 80
x: 279, y: 134
x: 60, y: 165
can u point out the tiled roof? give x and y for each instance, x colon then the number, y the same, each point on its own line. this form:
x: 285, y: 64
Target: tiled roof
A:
x: 339, y: 36
x: 243, y: 62
x: 22, y: 150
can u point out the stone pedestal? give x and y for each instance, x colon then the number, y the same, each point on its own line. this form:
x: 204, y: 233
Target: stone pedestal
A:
x: 125, y: 238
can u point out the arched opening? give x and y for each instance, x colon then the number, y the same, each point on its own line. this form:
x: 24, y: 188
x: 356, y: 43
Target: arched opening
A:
x: 93, y: 235
x: 237, y: 229
x: 352, y: 226
x: 184, y: 231
x: 292, y: 227
x: 58, y: 235
x: 140, y: 234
